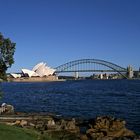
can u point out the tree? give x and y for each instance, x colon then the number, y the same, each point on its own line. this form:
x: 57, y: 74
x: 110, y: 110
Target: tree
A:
x: 7, y: 49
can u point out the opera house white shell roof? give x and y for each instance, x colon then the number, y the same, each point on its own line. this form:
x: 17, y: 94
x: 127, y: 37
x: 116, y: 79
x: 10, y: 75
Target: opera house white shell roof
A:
x: 39, y: 70
x: 37, y: 66
x: 16, y: 75
x: 29, y: 72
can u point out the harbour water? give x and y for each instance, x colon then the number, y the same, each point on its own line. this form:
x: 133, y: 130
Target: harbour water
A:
x: 81, y: 98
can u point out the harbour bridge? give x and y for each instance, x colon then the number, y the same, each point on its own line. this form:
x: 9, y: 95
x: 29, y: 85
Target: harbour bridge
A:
x: 90, y: 65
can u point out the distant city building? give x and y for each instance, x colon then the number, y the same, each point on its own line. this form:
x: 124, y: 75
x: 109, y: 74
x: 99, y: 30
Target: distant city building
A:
x: 105, y: 76
x: 39, y: 70
x: 101, y: 76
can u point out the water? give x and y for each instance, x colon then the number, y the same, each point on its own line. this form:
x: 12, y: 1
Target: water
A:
x: 84, y: 98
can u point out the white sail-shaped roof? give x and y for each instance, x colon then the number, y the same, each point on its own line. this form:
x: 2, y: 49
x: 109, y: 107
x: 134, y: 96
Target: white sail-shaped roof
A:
x: 44, y: 70
x: 16, y: 75
x: 29, y: 72
x: 39, y: 70
x: 49, y: 70
x: 37, y: 66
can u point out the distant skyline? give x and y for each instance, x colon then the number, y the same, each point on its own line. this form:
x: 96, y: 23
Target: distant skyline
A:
x: 59, y: 31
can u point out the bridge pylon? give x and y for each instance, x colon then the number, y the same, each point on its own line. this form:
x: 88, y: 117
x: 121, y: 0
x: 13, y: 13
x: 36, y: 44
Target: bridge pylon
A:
x: 130, y: 72
x: 76, y: 75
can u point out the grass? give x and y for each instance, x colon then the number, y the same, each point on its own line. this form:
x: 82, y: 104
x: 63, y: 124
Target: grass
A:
x: 59, y: 135
x: 16, y: 133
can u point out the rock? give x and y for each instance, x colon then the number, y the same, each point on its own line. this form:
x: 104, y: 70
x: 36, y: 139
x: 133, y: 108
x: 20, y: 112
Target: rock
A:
x: 6, y: 109
x: 40, y: 125
x: 83, y: 137
x: 93, y: 134
x: 121, y: 133
x: 108, y: 128
x: 31, y: 124
x: 10, y: 124
x: 1, y: 110
x: 23, y: 123
x: 51, y: 124
x: 91, y: 130
x: 102, y: 123
x: 101, y: 128
x: 128, y: 133
x: 9, y: 109
x: 62, y: 135
x: 107, y: 138
x: 71, y: 125
x: 63, y: 124
x: 117, y: 124
x: 17, y: 122
x: 137, y: 138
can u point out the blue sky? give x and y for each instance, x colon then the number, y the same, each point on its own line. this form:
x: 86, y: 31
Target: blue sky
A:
x: 58, y: 31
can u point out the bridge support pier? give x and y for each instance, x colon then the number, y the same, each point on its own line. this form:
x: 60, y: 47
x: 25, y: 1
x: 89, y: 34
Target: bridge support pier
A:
x: 76, y: 75
x: 130, y: 72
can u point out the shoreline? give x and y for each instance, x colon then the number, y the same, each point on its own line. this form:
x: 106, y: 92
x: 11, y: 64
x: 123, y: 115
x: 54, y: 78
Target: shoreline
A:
x: 52, y: 126
x: 44, y: 79
x: 57, y: 127
x: 32, y: 79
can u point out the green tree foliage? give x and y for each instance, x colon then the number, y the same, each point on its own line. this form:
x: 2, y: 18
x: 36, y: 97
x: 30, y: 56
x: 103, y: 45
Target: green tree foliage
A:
x: 7, y: 49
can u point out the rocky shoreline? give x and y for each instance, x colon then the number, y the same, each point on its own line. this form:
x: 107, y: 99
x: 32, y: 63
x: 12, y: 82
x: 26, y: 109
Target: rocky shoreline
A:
x: 59, y: 128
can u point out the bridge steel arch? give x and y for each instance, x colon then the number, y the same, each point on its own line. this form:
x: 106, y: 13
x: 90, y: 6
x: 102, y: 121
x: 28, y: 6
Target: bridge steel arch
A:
x: 66, y: 67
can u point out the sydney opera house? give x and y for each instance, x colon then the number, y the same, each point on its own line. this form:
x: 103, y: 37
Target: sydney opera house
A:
x: 40, y: 70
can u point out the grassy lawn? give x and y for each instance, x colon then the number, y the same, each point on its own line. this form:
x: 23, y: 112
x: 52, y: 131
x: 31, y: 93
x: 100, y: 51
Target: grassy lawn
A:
x: 16, y: 133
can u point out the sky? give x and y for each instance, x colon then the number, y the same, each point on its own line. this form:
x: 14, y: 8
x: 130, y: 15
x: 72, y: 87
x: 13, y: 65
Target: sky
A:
x: 59, y: 31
